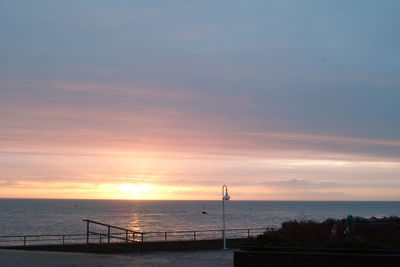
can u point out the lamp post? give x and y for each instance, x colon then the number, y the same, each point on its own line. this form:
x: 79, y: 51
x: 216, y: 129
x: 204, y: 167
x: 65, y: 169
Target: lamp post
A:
x: 224, y: 197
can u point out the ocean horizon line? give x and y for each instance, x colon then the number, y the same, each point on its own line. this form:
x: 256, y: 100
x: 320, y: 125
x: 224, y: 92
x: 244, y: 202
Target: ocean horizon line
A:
x: 188, y: 200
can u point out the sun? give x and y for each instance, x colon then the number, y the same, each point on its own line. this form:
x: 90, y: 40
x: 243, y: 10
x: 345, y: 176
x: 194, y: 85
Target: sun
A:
x: 134, y: 190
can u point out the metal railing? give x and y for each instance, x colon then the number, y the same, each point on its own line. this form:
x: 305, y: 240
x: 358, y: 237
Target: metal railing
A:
x: 100, y: 233
x: 47, y: 239
x: 188, y: 235
x: 125, y: 235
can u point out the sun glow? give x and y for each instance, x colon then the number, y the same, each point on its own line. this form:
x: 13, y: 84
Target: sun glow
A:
x: 134, y: 190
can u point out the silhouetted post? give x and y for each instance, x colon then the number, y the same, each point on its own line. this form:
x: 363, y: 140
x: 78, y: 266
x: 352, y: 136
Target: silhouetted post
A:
x: 87, y: 232
x: 224, y: 197
x: 109, y: 234
x: 141, y: 246
x: 126, y: 240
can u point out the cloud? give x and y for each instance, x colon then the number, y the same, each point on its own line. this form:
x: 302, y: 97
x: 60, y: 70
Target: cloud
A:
x: 312, y: 138
x: 168, y: 93
x: 130, y: 116
x: 303, y: 184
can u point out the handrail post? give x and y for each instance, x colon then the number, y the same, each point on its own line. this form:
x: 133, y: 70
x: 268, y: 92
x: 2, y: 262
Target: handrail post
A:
x: 141, y: 245
x: 248, y: 233
x: 194, y: 235
x: 109, y: 231
x: 126, y: 240
x: 24, y: 241
x: 165, y: 236
x: 63, y: 240
x: 87, y: 232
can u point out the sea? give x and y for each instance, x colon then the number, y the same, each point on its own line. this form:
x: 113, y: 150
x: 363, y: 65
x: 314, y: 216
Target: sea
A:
x: 56, y: 216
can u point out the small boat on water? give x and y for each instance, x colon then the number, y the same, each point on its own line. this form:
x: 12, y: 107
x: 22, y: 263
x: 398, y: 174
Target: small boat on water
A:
x: 204, y: 209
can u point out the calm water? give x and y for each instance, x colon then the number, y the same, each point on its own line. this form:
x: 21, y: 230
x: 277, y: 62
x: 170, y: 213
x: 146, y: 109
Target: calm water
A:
x: 43, y: 216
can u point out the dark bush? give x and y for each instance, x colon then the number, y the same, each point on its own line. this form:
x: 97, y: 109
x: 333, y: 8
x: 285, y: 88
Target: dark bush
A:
x: 367, y: 233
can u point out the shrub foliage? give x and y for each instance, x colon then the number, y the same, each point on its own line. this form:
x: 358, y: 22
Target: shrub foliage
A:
x: 372, y: 233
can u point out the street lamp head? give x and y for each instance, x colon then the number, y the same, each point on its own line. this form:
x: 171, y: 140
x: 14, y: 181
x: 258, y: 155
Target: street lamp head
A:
x: 226, y: 197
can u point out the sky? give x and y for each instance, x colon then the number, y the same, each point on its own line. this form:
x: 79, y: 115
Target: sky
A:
x: 279, y: 100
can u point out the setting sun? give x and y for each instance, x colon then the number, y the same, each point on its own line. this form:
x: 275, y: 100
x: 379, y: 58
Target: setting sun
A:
x: 134, y: 190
